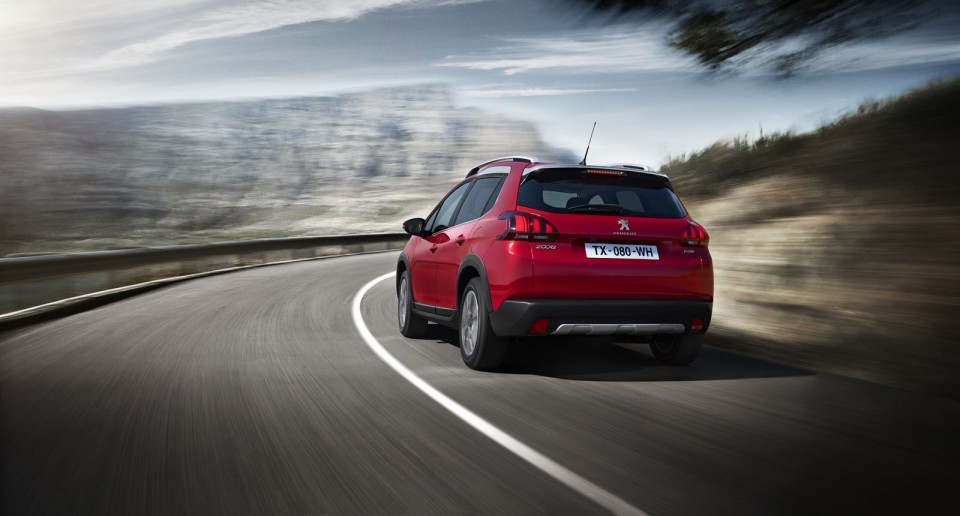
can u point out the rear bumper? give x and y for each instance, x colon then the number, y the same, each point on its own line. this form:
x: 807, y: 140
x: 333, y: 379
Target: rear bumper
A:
x: 599, y: 316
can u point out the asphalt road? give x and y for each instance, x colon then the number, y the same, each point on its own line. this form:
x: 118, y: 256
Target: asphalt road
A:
x: 253, y: 393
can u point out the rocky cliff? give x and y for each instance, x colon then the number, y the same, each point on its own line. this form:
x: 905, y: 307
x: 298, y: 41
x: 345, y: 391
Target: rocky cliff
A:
x: 108, y: 178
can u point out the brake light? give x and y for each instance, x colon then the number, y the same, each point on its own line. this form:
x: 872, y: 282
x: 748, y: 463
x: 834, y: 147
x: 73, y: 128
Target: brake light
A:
x: 593, y: 172
x: 527, y: 226
x: 695, y: 236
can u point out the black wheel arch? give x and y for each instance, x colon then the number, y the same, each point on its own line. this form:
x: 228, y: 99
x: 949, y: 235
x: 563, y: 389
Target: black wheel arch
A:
x: 472, y: 267
x: 403, y: 264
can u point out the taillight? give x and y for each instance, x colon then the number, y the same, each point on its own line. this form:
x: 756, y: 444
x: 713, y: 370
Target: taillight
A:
x: 695, y: 236
x: 527, y: 226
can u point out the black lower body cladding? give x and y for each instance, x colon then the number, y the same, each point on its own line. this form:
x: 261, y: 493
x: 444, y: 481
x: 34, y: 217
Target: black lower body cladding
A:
x: 514, y: 317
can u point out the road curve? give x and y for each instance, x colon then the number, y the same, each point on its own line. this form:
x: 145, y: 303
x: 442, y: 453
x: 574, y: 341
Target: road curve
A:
x: 253, y: 393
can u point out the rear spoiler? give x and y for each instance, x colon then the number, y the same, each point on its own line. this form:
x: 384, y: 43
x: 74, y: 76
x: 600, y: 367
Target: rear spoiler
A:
x: 630, y: 165
x: 623, y: 169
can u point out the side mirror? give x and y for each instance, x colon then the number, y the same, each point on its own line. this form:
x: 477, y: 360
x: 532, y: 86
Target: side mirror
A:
x: 414, y: 226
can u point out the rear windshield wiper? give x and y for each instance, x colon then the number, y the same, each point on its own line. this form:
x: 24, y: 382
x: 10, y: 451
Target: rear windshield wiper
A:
x: 597, y: 208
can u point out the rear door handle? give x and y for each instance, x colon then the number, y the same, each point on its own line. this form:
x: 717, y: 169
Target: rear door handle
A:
x: 460, y: 240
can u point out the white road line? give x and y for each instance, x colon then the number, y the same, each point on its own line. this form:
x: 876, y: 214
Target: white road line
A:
x: 579, y: 484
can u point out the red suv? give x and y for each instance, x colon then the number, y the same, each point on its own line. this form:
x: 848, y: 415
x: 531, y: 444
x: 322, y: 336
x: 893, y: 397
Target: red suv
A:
x: 523, y: 248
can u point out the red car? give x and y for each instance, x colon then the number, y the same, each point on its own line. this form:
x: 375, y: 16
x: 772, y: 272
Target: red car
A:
x: 523, y: 248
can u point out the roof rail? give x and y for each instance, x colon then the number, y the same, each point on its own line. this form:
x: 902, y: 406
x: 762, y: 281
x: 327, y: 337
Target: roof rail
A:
x: 525, y: 159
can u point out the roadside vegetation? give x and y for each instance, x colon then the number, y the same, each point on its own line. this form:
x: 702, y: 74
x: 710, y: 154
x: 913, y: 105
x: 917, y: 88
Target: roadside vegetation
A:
x: 838, y: 249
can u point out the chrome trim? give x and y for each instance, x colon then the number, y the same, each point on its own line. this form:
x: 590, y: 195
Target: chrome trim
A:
x: 595, y: 167
x: 619, y: 329
x: 528, y: 159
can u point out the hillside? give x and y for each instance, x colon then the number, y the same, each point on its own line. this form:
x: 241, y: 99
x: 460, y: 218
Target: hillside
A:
x: 838, y: 249
x: 113, y: 178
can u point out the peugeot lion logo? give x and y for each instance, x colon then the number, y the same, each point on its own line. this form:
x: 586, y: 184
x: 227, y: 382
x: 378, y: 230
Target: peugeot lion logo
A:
x: 624, y: 228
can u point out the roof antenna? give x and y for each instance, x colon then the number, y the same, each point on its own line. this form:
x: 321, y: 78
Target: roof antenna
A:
x: 584, y: 160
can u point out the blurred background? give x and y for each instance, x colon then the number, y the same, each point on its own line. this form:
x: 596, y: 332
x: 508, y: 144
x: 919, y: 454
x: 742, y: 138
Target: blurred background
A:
x: 814, y: 140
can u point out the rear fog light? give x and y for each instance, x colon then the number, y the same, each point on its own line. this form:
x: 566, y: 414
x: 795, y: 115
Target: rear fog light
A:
x: 539, y: 327
x: 696, y: 326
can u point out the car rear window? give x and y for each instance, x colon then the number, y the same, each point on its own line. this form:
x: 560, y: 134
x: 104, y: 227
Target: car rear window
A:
x: 639, y: 196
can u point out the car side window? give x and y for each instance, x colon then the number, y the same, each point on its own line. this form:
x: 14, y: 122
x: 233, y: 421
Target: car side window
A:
x: 493, y: 196
x: 443, y: 216
x: 476, y: 201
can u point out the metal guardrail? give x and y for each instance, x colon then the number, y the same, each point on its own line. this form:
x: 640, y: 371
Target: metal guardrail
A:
x: 29, y: 281
x: 31, y: 267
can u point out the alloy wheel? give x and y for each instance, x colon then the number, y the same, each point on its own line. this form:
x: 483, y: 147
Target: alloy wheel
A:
x: 404, y: 300
x: 469, y: 323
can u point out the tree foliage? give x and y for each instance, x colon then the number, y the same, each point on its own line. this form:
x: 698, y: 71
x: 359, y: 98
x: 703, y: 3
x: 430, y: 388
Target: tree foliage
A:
x: 783, y: 35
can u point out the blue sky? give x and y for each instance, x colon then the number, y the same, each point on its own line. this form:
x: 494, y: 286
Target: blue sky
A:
x: 537, y: 60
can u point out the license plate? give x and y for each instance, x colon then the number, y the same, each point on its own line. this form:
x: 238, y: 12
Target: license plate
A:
x: 622, y: 251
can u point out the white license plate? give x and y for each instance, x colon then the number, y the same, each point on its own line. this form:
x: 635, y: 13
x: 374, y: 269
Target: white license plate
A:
x: 622, y: 251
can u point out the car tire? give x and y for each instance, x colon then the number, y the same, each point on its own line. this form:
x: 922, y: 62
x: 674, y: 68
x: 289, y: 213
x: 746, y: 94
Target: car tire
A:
x: 677, y: 350
x: 480, y: 348
x: 411, y: 325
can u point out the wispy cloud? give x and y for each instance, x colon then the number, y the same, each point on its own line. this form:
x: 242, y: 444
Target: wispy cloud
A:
x: 612, y: 49
x: 880, y: 55
x: 206, y: 20
x: 537, y: 92
x: 20, y: 18
x: 247, y: 19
